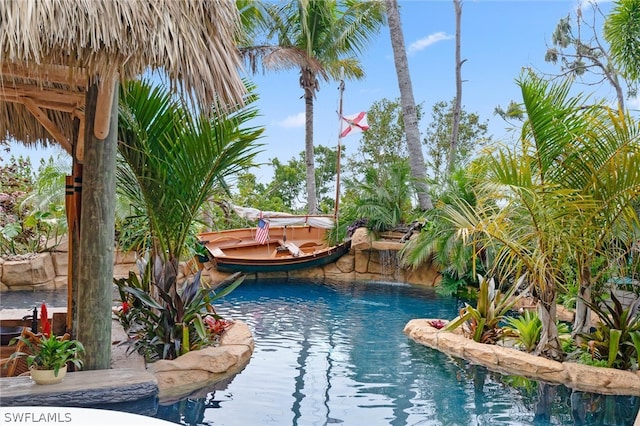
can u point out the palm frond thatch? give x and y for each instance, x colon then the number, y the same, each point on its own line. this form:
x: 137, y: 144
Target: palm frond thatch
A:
x: 57, y: 47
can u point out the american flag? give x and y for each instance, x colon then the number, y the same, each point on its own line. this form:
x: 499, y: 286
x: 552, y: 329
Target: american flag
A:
x: 262, y: 231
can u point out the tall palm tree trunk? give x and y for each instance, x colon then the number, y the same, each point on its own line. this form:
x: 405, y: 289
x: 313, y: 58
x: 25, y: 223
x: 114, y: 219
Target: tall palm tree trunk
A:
x: 455, y: 125
x: 409, y: 112
x: 549, y: 345
x: 309, y: 83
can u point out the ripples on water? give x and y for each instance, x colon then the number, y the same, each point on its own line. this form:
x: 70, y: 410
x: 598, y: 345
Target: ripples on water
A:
x: 336, y: 354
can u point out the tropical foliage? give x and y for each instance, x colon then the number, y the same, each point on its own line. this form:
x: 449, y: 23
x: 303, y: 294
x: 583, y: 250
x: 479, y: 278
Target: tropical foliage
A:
x: 32, y: 215
x: 384, y: 197
x: 562, y: 196
x: 622, y: 31
x: 616, y: 338
x: 173, y: 324
x: 483, y: 322
x: 526, y: 329
x: 327, y: 37
x: 173, y: 161
x: 438, y: 241
x: 50, y: 352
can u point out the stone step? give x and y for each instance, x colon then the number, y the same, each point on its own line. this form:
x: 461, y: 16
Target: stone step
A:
x: 81, y: 389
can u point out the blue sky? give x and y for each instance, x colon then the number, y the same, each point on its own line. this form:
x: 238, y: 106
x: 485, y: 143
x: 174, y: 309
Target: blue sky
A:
x: 499, y: 38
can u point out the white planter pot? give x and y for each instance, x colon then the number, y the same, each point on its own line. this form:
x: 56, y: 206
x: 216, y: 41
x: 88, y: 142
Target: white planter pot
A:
x: 47, y: 377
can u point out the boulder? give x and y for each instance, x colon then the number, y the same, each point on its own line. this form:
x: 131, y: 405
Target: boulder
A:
x: 360, y: 240
x: 198, y: 369
x: 60, y: 263
x: 37, y: 269
x: 312, y: 274
x: 345, y: 263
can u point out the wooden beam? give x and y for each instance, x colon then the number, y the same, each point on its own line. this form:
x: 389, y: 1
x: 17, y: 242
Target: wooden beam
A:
x: 46, y: 73
x: 46, y: 94
x: 103, y: 106
x: 41, y: 116
x: 49, y: 105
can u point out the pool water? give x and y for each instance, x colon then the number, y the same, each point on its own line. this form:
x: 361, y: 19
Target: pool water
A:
x: 336, y: 354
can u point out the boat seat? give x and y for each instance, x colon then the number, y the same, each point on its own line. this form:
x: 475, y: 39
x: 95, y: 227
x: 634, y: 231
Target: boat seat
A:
x: 293, y: 249
x: 216, y: 252
x: 311, y: 244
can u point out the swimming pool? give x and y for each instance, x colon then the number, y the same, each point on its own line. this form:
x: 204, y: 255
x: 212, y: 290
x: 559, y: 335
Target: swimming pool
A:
x: 336, y: 354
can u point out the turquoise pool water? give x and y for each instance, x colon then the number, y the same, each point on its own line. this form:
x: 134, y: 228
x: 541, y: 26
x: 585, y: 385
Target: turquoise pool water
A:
x: 336, y: 354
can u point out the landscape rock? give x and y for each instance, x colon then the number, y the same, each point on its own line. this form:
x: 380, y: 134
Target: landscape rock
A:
x: 37, y: 269
x: 201, y: 368
x: 511, y: 361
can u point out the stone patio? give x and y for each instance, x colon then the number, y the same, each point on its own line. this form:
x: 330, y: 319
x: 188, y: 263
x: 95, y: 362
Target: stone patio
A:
x: 131, y: 379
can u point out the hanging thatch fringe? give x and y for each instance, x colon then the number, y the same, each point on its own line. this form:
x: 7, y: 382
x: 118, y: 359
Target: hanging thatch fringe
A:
x: 64, y: 44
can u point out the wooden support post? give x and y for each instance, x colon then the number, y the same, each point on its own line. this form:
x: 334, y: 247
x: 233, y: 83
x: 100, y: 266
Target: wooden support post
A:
x: 75, y: 241
x: 97, y: 227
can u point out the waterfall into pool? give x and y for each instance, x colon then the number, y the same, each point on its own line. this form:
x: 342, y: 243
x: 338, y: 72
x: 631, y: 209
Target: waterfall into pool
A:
x: 336, y: 354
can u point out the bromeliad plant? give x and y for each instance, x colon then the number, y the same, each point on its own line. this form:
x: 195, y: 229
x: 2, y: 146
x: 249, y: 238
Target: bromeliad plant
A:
x: 177, y: 323
x: 482, y: 323
x: 49, y: 352
x: 616, y: 338
x: 527, y: 329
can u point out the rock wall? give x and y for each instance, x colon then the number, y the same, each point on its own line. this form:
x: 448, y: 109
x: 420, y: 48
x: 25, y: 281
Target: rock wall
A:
x: 511, y: 361
x: 368, y: 260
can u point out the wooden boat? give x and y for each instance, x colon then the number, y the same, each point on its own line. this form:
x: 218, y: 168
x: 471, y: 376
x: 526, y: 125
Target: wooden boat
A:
x: 293, y: 242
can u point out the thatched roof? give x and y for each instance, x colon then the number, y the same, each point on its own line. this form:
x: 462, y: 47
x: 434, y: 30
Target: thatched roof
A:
x: 51, y: 49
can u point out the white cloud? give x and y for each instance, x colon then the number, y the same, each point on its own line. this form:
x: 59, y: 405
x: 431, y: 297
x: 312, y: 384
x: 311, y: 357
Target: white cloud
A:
x: 633, y: 103
x: 292, y: 121
x: 427, y: 41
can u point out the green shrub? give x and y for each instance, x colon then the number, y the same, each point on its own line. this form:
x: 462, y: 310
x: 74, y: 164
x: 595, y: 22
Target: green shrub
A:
x: 526, y: 328
x: 616, y: 338
x: 173, y: 324
x: 482, y: 323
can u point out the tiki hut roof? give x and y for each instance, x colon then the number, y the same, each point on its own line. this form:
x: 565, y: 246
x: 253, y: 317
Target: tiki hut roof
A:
x: 51, y: 50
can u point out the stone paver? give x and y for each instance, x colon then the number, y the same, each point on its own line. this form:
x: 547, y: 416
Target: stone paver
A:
x: 81, y: 388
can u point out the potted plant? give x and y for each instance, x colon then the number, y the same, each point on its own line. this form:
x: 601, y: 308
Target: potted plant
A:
x: 47, y: 356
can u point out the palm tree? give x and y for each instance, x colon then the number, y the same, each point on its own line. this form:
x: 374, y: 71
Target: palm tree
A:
x: 438, y: 242
x: 321, y: 38
x: 622, y: 31
x: 384, y: 196
x: 409, y: 112
x: 174, y: 160
x: 562, y: 197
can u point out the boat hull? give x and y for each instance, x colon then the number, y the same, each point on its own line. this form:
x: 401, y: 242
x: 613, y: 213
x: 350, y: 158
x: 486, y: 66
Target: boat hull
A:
x: 288, y: 249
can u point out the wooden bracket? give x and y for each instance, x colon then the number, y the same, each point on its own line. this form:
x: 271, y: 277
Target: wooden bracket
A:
x: 103, y: 106
x: 42, y: 117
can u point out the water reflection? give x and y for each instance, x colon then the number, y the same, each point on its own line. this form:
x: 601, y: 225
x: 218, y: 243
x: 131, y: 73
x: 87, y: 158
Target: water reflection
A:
x: 336, y: 354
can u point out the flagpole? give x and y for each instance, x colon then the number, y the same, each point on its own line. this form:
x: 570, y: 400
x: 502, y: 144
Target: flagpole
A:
x: 341, y: 90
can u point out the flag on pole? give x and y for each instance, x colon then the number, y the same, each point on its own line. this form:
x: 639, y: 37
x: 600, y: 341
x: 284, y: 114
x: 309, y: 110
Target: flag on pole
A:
x: 353, y: 124
x: 262, y: 231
